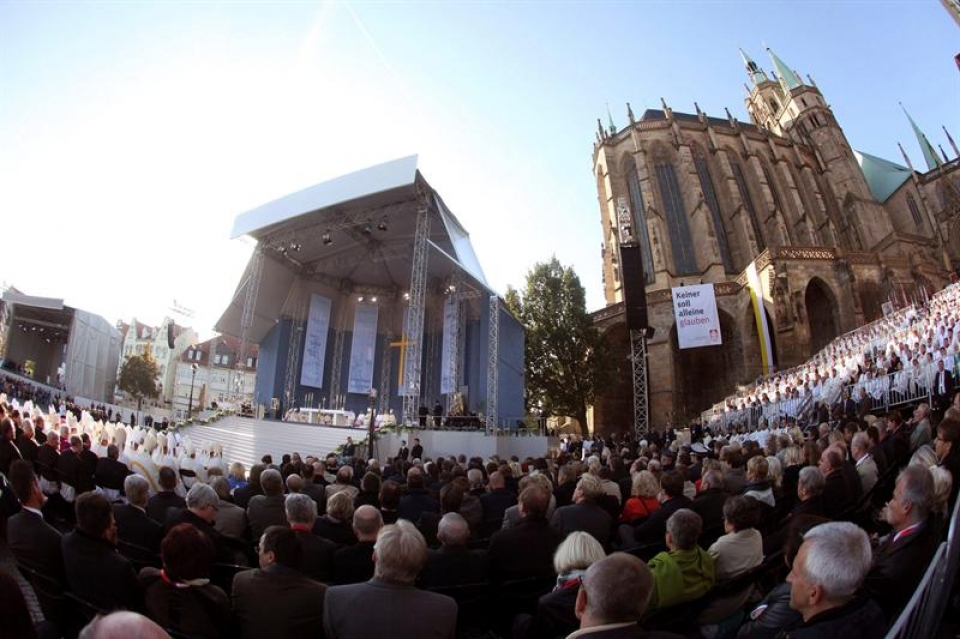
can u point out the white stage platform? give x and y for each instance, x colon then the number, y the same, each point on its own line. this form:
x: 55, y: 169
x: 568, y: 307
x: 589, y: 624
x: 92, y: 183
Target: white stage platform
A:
x: 247, y: 440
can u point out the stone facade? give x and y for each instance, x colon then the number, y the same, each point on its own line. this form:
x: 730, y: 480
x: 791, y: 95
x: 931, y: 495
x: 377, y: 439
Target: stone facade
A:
x: 834, y: 234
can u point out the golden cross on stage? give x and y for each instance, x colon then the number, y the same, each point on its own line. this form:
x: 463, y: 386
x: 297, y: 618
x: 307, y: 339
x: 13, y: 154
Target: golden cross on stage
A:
x: 402, y: 344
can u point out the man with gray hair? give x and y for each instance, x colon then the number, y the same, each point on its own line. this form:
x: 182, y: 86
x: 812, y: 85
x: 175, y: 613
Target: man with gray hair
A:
x: 133, y: 524
x: 613, y: 596
x: 201, y: 512
x: 401, y: 609
x: 585, y: 513
x: 231, y: 519
x: 810, y: 484
x: 267, y: 509
x: 685, y: 571
x: 454, y: 564
x: 827, y: 573
x: 902, y: 557
x: 866, y: 467
x: 316, y: 561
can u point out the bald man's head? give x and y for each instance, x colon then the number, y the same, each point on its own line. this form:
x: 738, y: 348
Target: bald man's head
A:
x: 367, y: 522
x: 616, y: 589
x: 122, y: 625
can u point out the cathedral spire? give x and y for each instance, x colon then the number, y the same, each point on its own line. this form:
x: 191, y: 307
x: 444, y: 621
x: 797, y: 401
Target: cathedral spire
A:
x: 613, y: 127
x: 630, y: 113
x: 952, y: 143
x: 756, y: 73
x: 929, y: 153
x: 906, y: 158
x: 788, y: 77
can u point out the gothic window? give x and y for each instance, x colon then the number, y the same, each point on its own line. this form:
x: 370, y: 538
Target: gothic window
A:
x: 684, y: 257
x: 710, y: 198
x: 748, y: 203
x: 914, y: 210
x: 640, y: 221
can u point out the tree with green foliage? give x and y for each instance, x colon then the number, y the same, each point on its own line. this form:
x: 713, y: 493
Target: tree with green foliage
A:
x: 567, y: 359
x: 138, y: 377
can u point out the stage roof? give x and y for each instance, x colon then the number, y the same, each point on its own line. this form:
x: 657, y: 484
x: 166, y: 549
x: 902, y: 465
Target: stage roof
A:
x: 353, y: 233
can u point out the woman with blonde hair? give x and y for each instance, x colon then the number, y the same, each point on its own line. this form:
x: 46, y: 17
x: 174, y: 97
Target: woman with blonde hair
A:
x: 556, y: 615
x: 643, y: 497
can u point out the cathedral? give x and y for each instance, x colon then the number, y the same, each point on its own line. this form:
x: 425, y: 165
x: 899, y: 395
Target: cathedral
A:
x: 835, y: 235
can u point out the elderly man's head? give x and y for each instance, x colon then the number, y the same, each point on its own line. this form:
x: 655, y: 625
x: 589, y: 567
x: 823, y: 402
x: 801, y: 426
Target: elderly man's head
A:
x: 400, y: 553
x: 453, y: 530
x: 202, y: 501
x: 912, y: 498
x: 301, y: 510
x: 367, y: 522
x: 829, y: 568
x: 272, y: 482
x: 137, y: 490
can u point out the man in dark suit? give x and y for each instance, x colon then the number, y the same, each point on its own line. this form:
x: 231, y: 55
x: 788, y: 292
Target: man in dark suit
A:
x: 95, y: 570
x: 903, y: 556
x: 33, y: 542
x: 354, y: 564
x: 201, y: 512
x: 417, y: 451
x: 110, y: 471
x: 277, y: 600
x: 267, y: 509
x: 8, y: 449
x: 166, y: 499
x: 942, y: 387
x: 525, y: 550
x: 73, y: 472
x: 709, y: 501
x: 316, y: 557
x: 837, y: 492
x: 404, y: 453
x: 133, y: 524
x: 454, y: 564
x: 497, y: 500
x: 400, y: 609
x: 654, y: 527
x: 417, y: 500
x: 27, y: 444
x: 585, y: 513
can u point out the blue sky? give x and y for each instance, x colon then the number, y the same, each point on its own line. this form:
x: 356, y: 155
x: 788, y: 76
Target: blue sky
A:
x: 132, y: 133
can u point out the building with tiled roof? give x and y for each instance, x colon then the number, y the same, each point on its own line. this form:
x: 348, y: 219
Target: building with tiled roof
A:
x: 214, y: 372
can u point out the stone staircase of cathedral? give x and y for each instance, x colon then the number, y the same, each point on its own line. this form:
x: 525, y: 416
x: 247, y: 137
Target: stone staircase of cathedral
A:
x: 247, y: 440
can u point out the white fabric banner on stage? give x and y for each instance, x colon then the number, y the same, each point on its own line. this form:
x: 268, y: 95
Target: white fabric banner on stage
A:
x: 315, y: 343
x: 363, y: 349
x: 448, y: 363
x: 695, y: 310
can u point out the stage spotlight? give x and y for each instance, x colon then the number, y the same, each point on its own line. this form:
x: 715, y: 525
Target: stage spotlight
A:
x: 382, y: 226
x: 296, y: 246
x: 327, y: 240
x: 373, y: 299
x: 368, y: 228
x: 406, y: 296
x: 360, y: 299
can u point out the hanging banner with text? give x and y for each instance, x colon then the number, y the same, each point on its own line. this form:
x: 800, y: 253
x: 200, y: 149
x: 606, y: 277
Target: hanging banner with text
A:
x: 315, y: 343
x: 448, y: 355
x: 362, y: 350
x: 695, y: 310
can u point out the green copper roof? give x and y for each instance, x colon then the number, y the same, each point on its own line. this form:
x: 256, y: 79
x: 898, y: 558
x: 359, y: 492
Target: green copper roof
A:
x: 883, y: 176
x: 929, y: 153
x: 785, y: 73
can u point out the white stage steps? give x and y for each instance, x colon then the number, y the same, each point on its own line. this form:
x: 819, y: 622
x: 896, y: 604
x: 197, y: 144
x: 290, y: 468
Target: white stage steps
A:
x: 247, y: 440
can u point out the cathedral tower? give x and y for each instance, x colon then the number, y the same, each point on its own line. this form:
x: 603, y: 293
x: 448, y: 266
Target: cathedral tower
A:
x: 787, y: 106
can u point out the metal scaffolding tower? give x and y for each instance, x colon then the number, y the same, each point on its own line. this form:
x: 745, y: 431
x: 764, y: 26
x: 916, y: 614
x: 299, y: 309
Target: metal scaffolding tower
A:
x: 638, y: 356
x: 385, y: 360
x: 413, y: 348
x: 493, y: 369
x: 294, y: 349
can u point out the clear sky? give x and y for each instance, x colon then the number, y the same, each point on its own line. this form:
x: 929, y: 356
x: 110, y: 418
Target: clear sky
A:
x: 132, y: 133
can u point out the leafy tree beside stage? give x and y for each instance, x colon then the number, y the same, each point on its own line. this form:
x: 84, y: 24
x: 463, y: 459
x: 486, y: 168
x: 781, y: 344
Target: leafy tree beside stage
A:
x: 567, y: 359
x: 138, y: 377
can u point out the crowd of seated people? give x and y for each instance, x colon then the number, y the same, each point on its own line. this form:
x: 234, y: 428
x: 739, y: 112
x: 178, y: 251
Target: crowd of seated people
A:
x: 835, y: 523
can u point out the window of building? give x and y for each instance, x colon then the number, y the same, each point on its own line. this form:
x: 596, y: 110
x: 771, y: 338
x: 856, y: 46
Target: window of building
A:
x: 914, y: 211
x: 684, y: 257
x: 710, y: 198
x: 748, y: 203
x: 640, y: 222
x: 251, y: 362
